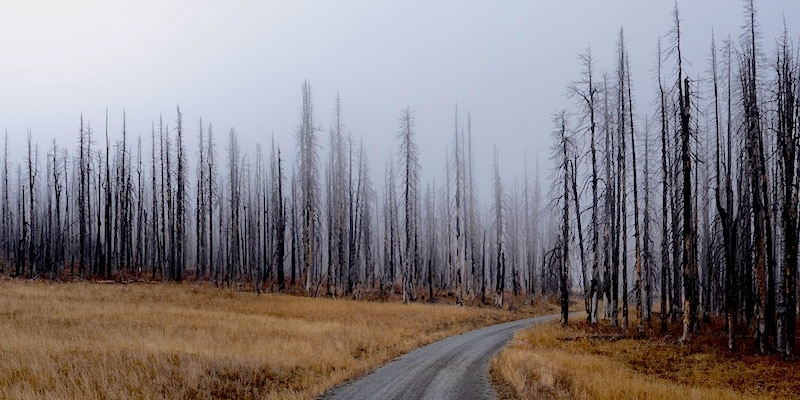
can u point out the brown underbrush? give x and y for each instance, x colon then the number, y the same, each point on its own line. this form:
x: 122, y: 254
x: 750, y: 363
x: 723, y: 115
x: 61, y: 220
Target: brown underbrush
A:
x: 580, y: 361
x: 91, y: 341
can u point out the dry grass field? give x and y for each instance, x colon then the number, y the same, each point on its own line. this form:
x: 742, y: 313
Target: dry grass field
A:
x: 91, y: 341
x: 549, y: 361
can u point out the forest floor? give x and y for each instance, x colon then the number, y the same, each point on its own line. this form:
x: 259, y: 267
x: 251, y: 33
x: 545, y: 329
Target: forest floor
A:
x: 580, y: 361
x: 90, y: 340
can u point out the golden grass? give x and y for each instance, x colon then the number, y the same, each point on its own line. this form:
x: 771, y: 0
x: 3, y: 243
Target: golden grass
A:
x: 580, y: 362
x: 91, y: 341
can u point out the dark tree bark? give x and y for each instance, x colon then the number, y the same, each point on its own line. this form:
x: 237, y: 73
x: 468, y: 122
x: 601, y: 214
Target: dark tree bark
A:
x: 7, y: 217
x: 688, y: 255
x: 787, y: 77
x: 279, y: 214
x: 585, y: 90
x: 295, y: 233
x: 57, y: 235
x: 410, y: 165
x: 665, y: 189
x: 566, y: 169
x: 234, y: 268
x: 180, y: 200
x: 762, y: 236
x: 32, y: 222
x: 211, y: 177
x: 622, y: 172
x: 106, y: 257
x: 500, y: 235
x: 636, y: 231
x: 201, y: 236
x: 724, y: 204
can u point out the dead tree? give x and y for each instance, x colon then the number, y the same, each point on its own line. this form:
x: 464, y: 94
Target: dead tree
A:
x: 636, y: 231
x: 308, y: 164
x: 211, y: 179
x: 32, y: 222
x: 7, y: 218
x: 762, y: 236
x: 585, y: 90
x: 500, y: 234
x: 622, y: 172
x: 201, y: 236
x: 665, y: 190
x: 409, y: 161
x: 180, y: 200
x: 688, y: 261
x: 724, y: 202
x: 234, y: 265
x: 105, y: 257
x: 562, y: 155
x: 459, y: 256
x: 788, y: 107
x: 279, y: 215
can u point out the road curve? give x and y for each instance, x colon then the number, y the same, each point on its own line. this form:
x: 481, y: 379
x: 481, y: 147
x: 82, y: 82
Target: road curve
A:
x: 452, y: 368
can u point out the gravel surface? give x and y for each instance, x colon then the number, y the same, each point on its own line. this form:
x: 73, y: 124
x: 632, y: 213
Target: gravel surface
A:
x: 453, y: 368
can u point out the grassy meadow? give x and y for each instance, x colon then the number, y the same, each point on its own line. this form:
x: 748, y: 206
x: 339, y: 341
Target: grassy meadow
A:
x: 92, y: 341
x: 549, y: 361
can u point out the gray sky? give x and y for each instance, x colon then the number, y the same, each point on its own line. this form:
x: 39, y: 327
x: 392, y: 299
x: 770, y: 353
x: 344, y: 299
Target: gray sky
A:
x: 241, y: 64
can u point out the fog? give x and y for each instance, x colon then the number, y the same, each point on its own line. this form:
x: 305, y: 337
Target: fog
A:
x: 241, y: 64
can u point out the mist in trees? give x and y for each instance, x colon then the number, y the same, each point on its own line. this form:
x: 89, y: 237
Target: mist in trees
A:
x: 148, y: 208
x: 723, y: 162
x: 683, y: 204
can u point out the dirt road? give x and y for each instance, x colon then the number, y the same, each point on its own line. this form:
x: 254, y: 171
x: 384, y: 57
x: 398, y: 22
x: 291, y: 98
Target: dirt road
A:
x: 453, y: 368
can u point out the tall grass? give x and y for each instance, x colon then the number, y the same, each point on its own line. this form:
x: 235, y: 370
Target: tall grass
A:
x: 549, y: 361
x: 92, y: 341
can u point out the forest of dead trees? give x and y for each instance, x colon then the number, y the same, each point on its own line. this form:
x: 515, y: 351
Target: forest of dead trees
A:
x: 691, y: 202
x: 688, y: 206
x: 135, y: 208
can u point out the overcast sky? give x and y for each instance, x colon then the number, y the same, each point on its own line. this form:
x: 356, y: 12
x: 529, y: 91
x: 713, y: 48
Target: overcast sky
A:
x: 242, y: 63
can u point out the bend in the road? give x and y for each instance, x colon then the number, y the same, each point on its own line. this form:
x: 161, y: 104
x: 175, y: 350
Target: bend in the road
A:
x: 452, y: 368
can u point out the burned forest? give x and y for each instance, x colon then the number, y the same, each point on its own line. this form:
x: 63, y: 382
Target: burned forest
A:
x: 655, y: 211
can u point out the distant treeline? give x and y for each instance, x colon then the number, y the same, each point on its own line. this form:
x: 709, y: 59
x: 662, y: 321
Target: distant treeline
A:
x: 137, y: 208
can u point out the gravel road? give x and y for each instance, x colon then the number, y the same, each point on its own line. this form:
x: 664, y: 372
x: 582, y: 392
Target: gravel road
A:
x: 453, y: 368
